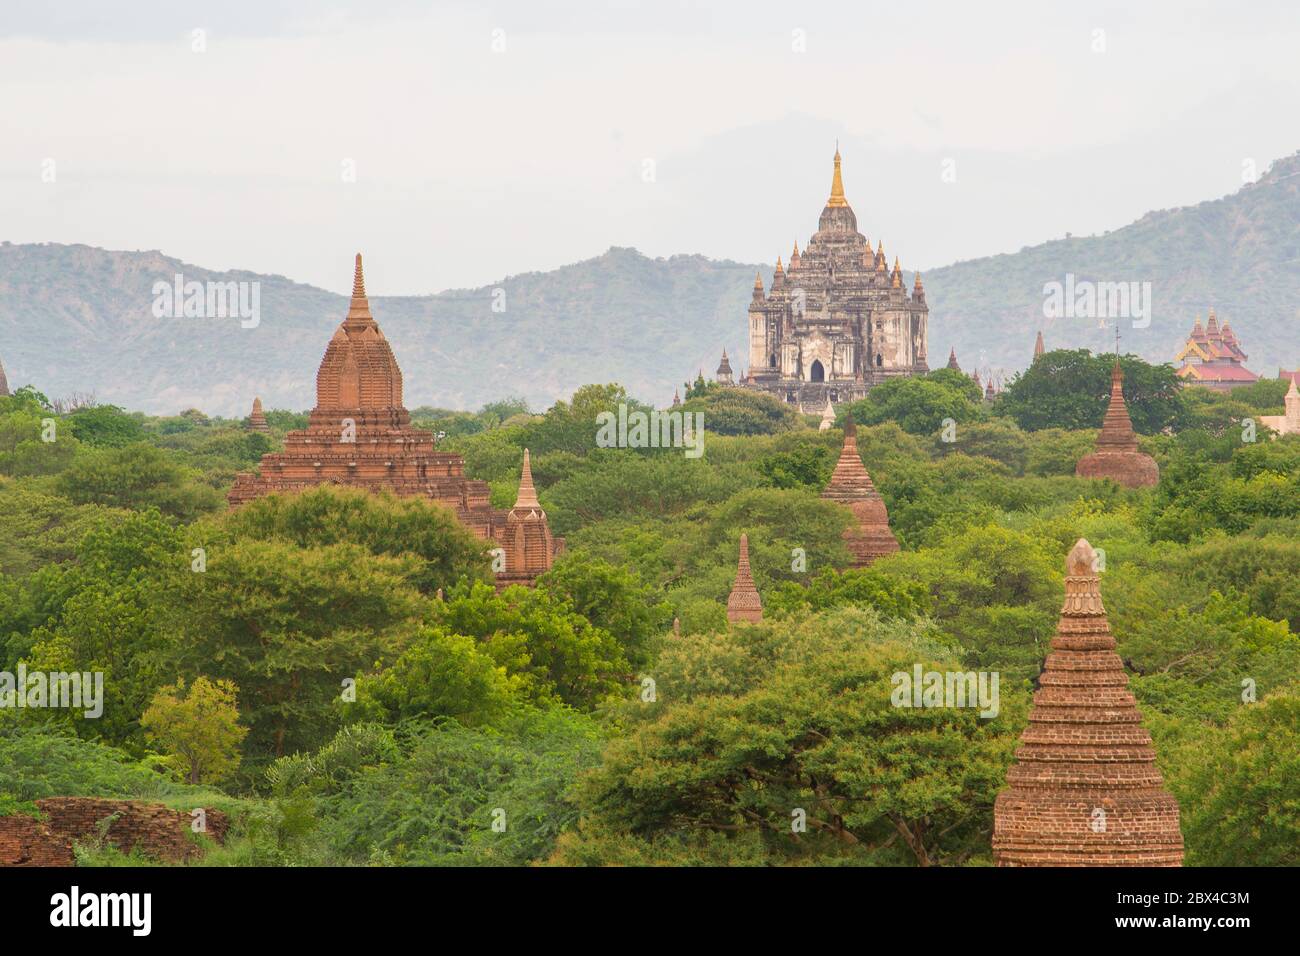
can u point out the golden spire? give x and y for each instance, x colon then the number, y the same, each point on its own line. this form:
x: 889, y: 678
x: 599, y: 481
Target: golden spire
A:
x: 837, y: 184
x: 795, y: 255
x: 778, y: 265
x: 898, y: 275
x: 527, y: 493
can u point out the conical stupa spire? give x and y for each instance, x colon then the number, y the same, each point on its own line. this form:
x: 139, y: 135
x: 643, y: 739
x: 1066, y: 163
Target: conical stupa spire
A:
x: 828, y: 417
x: 837, y: 184
x: 952, y: 359
x: 359, y: 308
x: 527, y: 493
x: 1117, y: 456
x: 1038, y: 344
x: 1084, y: 790
x: 1117, y: 427
x: 4, y: 382
x: 257, y: 418
x: 898, y: 275
x: 744, y: 604
x: 869, y: 537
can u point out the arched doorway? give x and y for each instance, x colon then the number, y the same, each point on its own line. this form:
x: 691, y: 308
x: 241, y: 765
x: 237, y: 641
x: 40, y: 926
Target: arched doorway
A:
x: 771, y: 360
x: 816, y: 373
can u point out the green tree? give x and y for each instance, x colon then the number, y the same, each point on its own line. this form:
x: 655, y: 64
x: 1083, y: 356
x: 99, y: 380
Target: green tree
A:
x: 198, y: 728
x: 1070, y: 389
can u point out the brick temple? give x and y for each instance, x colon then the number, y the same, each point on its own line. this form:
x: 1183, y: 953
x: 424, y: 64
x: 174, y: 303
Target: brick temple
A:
x: 1085, y: 790
x: 838, y: 320
x: 851, y: 486
x: 1117, y: 456
x: 360, y: 435
x: 257, y: 418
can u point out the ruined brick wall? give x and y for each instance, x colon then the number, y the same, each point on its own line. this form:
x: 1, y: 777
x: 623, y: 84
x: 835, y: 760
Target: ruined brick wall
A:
x: 159, y: 832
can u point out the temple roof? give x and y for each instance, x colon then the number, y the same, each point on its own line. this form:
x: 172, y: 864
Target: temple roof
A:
x: 850, y: 480
x: 359, y: 372
x: 952, y: 359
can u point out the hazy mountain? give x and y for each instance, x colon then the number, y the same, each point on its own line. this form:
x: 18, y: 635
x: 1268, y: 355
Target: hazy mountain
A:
x: 80, y: 319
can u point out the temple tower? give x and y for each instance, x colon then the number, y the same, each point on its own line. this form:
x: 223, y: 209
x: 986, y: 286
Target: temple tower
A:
x: 257, y: 418
x: 952, y: 360
x: 725, y: 376
x: 359, y: 434
x: 851, y: 486
x: 4, y: 382
x: 743, y: 603
x: 838, y: 320
x: 1038, y: 344
x: 526, y: 540
x: 1117, y: 456
x: 1084, y: 790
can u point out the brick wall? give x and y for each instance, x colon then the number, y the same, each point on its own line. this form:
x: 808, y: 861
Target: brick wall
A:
x: 159, y: 832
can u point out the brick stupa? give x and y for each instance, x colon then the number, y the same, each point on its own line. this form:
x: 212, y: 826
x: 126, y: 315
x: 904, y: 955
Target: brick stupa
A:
x: 529, y: 548
x: 257, y: 418
x: 743, y: 603
x: 852, y: 487
x: 1084, y: 790
x: 4, y: 382
x: 1117, y: 456
x: 360, y: 434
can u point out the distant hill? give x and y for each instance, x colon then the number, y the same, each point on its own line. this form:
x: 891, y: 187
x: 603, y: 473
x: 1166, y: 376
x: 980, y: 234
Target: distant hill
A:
x: 78, y: 319
x: 1239, y: 254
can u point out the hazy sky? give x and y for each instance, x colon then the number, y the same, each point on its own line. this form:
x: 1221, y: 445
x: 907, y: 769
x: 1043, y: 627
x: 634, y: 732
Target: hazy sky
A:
x: 496, y: 138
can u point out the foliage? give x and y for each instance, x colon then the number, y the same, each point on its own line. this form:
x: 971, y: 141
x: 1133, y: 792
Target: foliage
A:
x: 199, y: 729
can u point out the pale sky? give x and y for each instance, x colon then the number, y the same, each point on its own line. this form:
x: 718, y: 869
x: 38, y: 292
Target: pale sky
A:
x: 674, y: 127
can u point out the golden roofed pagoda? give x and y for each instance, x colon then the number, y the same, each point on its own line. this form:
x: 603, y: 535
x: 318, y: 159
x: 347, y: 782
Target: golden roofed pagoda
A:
x: 360, y: 435
x: 838, y: 320
x: 1212, y: 357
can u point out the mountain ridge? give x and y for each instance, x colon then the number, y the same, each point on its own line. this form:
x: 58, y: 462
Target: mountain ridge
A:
x: 76, y: 318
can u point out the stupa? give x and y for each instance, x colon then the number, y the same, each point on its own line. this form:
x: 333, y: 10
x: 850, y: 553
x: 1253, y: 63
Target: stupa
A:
x: 4, y: 382
x: 743, y: 603
x: 952, y: 359
x: 1289, y: 422
x: 828, y: 418
x: 1117, y: 456
x: 851, y: 486
x: 257, y: 418
x: 529, y: 548
x: 1084, y: 790
x: 1039, y: 349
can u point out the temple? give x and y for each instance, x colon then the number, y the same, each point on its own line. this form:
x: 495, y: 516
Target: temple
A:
x: 1212, y: 357
x: 838, y: 320
x: 529, y: 549
x: 257, y: 418
x: 1039, y: 348
x: 850, y: 485
x: 952, y: 360
x: 360, y: 435
x: 1117, y: 456
x: 743, y: 603
x: 1288, y: 423
x: 724, y: 373
x: 1085, y: 790
x: 4, y: 382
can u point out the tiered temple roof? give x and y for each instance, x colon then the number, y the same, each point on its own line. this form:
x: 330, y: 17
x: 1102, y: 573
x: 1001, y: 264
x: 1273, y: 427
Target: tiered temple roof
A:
x: 725, y: 376
x: 1212, y: 357
x: 1117, y: 456
x: 1085, y: 790
x: 360, y: 433
x: 743, y: 603
x: 257, y: 418
x: 952, y: 360
x: 851, y: 486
